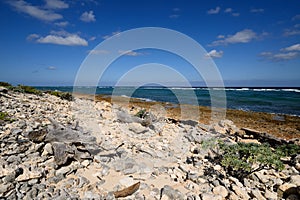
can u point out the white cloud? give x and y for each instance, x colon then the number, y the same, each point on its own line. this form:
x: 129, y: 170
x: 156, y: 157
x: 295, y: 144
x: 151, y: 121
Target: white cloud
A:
x: 257, y: 10
x: 92, y: 38
x: 56, y: 4
x: 297, y: 25
x: 289, y: 53
x: 221, y: 36
x: 130, y: 53
x: 35, y: 11
x: 72, y: 40
x: 176, y: 9
x: 51, y: 68
x: 295, y: 47
x: 266, y: 53
x: 174, y: 16
x: 214, y: 11
x: 62, y: 24
x: 112, y: 34
x: 296, y: 17
x: 214, y: 54
x: 32, y: 37
x: 98, y: 52
x: 60, y: 38
x: 228, y: 10
x: 243, y: 36
x: 291, y: 32
x: 88, y: 16
x: 235, y: 14
x: 285, y: 56
x: 279, y: 56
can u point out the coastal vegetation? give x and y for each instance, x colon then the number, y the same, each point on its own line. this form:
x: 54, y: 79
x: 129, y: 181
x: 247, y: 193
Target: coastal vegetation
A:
x: 32, y: 90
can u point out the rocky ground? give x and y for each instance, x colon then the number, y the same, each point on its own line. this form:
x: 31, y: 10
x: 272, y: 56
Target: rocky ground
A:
x: 56, y: 149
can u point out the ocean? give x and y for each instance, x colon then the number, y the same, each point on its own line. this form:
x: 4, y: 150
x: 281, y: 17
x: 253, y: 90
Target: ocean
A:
x: 270, y: 100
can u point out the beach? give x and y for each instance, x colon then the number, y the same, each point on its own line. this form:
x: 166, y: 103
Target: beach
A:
x: 282, y: 126
x: 82, y: 149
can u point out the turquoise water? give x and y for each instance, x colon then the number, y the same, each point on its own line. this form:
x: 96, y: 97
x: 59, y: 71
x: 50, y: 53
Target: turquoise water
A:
x: 271, y: 100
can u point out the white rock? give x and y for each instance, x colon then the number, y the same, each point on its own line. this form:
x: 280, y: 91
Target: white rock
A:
x: 127, y: 181
x: 85, y: 163
x: 220, y: 190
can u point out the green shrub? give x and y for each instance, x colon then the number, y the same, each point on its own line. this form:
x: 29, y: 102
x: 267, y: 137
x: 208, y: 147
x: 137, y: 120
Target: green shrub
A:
x: 5, y: 84
x: 28, y: 89
x: 291, y: 150
x: 63, y: 95
x: 4, y: 117
x: 141, y: 114
x: 242, y: 159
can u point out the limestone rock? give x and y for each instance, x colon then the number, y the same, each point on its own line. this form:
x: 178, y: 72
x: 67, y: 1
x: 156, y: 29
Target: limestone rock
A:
x: 286, y: 189
x: 241, y: 192
x: 220, y: 190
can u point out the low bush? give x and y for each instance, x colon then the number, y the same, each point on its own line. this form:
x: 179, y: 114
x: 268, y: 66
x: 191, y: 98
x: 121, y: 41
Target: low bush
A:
x: 63, y: 95
x: 5, y: 84
x: 28, y: 89
x: 4, y: 117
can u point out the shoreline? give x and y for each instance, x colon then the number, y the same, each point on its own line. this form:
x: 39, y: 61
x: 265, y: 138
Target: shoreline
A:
x: 279, y: 125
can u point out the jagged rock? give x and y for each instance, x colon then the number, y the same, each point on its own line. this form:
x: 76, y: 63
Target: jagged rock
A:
x: 47, y: 150
x: 296, y: 162
x: 207, y: 196
x: 257, y: 194
x: 28, y: 174
x: 5, y: 188
x: 37, y: 135
x: 295, y: 179
x: 62, y: 152
x: 3, y: 89
x: 240, y: 191
x: 169, y: 192
x: 220, y: 190
x: 286, y: 190
x: 137, y: 128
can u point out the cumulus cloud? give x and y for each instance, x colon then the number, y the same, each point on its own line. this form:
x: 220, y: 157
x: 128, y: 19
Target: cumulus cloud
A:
x: 98, y: 52
x: 62, y: 24
x: 295, y: 47
x: 88, y: 16
x: 228, y: 10
x: 56, y: 4
x: 214, y: 11
x: 51, y: 68
x: 287, y: 53
x: 290, y: 32
x: 236, y: 14
x: 32, y: 37
x: 296, y: 17
x: 214, y: 54
x: 257, y: 10
x: 60, y: 38
x: 174, y: 16
x: 71, y: 40
x: 243, y: 36
x: 130, y: 53
x: 112, y: 34
x: 35, y: 11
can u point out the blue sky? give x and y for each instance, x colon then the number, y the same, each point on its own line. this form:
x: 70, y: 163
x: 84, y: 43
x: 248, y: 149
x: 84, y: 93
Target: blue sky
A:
x: 253, y: 43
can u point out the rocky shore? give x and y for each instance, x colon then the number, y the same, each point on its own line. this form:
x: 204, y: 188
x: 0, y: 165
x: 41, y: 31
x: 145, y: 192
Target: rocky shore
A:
x: 81, y: 149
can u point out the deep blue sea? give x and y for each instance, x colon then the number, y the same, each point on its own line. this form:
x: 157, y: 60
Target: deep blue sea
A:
x: 271, y: 100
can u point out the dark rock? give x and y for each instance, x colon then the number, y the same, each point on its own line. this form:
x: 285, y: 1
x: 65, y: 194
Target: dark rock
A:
x: 37, y: 135
x: 62, y: 153
x: 171, y: 193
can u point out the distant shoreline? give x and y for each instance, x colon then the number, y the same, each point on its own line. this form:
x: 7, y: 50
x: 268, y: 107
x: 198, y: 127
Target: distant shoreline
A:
x: 280, y: 125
